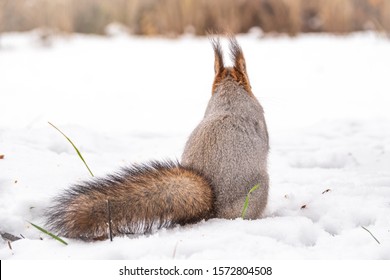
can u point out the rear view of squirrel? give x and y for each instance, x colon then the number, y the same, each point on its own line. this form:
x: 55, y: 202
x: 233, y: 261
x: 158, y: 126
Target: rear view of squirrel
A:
x: 224, y: 157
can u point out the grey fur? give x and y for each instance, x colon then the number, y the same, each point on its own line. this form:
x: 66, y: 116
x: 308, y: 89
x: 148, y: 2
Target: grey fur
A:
x: 230, y: 146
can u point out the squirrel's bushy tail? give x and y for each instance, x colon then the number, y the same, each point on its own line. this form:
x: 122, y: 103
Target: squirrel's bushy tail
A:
x: 140, y: 198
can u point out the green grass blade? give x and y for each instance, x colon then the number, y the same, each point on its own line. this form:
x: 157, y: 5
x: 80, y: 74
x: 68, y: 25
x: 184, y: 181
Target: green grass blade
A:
x: 246, y: 203
x: 371, y: 234
x: 77, y: 150
x: 48, y: 233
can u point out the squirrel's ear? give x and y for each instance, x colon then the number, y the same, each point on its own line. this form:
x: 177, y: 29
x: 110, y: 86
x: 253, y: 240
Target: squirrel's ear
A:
x: 237, y: 56
x: 218, y: 61
x: 239, y: 69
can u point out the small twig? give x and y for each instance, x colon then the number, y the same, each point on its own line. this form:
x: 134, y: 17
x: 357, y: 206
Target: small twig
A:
x: 371, y: 234
x: 174, y: 249
x: 109, y: 218
x: 325, y: 191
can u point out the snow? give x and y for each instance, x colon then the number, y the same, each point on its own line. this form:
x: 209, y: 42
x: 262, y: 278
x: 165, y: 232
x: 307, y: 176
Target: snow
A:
x: 132, y: 99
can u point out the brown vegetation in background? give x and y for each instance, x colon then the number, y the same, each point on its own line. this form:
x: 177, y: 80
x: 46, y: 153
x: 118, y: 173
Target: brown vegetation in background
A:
x: 174, y: 17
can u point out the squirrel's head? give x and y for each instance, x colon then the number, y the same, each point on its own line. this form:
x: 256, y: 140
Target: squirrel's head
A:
x: 236, y: 73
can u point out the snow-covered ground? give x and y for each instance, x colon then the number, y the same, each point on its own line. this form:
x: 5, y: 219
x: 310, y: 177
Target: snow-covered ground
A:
x: 126, y: 99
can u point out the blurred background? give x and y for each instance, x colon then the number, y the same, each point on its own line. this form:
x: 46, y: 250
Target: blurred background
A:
x: 175, y: 17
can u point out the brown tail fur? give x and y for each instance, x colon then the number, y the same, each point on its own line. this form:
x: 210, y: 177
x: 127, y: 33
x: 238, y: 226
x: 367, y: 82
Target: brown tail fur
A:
x: 141, y: 198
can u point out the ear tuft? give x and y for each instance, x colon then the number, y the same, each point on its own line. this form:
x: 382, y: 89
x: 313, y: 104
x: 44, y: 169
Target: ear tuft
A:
x: 218, y: 61
x: 239, y: 69
x: 237, y: 55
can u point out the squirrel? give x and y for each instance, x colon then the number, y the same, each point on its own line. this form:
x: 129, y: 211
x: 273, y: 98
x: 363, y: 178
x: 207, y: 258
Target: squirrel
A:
x: 223, y: 159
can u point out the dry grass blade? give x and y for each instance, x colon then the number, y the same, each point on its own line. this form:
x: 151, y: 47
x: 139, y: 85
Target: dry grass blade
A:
x: 48, y: 233
x: 246, y: 203
x: 9, y: 237
x: 74, y: 146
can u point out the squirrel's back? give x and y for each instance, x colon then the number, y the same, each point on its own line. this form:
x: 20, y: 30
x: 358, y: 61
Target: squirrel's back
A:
x: 230, y: 145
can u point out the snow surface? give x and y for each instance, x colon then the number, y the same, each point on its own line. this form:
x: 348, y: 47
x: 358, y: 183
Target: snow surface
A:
x: 128, y: 99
